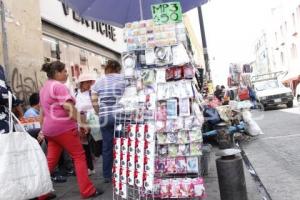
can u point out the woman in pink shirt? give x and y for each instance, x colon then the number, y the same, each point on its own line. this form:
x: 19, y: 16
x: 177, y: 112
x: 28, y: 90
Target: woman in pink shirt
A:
x: 60, y: 122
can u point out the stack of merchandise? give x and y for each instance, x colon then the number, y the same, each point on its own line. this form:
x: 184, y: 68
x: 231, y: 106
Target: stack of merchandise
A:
x: 158, y: 143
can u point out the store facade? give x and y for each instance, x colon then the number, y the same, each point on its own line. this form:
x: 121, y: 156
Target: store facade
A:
x: 82, y: 45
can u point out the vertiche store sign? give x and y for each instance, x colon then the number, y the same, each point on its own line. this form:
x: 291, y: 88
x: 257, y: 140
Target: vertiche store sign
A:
x: 102, y: 28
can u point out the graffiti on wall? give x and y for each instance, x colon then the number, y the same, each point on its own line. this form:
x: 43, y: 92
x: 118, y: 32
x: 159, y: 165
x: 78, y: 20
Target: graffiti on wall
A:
x: 24, y: 86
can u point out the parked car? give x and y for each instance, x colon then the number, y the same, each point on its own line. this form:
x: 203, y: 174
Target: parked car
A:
x: 271, y: 92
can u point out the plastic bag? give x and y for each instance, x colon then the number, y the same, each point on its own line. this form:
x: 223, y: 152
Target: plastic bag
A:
x: 93, y: 122
x: 251, y: 126
x: 24, y: 172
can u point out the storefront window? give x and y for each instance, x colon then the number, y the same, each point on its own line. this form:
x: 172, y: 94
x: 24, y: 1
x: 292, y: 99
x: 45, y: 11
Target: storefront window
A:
x: 77, y: 60
x: 51, y: 48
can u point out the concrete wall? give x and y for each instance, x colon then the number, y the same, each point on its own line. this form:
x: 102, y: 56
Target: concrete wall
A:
x: 25, y: 50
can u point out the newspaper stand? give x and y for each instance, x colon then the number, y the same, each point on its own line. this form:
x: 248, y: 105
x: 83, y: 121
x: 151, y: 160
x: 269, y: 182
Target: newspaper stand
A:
x: 158, y: 138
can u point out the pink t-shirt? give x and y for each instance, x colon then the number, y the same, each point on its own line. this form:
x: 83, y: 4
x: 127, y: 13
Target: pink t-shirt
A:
x: 56, y: 120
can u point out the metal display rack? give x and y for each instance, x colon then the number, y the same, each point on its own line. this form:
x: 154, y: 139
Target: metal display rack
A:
x: 144, y: 167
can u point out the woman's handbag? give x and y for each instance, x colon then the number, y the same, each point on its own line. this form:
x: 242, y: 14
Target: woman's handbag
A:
x: 24, y: 172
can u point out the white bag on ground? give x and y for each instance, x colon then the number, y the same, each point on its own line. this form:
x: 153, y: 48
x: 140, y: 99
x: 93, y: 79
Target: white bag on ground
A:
x: 24, y: 172
x: 251, y: 126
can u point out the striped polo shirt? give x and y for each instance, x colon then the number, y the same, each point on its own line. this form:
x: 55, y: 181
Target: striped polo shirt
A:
x: 110, y: 89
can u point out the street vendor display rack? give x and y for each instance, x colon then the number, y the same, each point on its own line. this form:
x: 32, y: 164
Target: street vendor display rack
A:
x: 158, y: 138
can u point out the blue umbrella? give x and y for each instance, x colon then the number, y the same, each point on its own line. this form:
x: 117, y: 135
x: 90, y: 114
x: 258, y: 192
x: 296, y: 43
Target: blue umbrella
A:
x: 120, y: 12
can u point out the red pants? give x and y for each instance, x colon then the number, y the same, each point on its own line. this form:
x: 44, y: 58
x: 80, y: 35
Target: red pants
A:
x: 71, y: 143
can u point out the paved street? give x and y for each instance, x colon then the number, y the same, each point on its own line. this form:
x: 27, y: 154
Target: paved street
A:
x: 275, y: 155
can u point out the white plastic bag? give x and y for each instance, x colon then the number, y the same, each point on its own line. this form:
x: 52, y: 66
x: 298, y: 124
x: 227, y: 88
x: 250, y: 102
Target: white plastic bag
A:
x: 93, y: 122
x: 251, y: 126
x: 24, y: 172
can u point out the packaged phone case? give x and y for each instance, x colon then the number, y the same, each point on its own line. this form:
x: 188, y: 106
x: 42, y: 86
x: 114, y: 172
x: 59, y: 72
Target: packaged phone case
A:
x: 188, y: 72
x: 169, y: 75
x: 163, y: 56
x: 171, y: 125
x: 184, y: 107
x: 195, y: 135
x: 149, y: 56
x: 171, y: 108
x: 161, y: 138
x: 183, y: 137
x: 188, y: 123
x: 165, y: 188
x: 192, y: 165
x: 160, y: 126
x: 160, y: 165
x: 180, y: 55
x: 163, y: 150
x: 157, y: 188
x: 173, y: 150
x: 160, y: 75
x: 195, y: 149
x: 178, y: 73
x: 175, y: 188
x: 183, y: 187
x: 161, y: 113
x: 199, y: 189
x: 170, y: 166
x: 172, y: 138
x: 181, y: 165
x: 183, y: 150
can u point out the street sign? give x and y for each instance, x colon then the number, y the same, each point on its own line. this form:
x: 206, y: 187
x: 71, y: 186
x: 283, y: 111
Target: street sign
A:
x: 166, y: 13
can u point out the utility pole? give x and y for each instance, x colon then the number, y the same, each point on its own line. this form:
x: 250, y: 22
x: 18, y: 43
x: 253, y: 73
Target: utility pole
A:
x: 4, y: 40
x: 204, y: 45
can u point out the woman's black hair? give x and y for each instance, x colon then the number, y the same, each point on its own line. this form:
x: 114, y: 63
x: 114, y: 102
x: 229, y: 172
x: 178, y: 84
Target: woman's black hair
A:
x: 52, y: 67
x: 34, y: 99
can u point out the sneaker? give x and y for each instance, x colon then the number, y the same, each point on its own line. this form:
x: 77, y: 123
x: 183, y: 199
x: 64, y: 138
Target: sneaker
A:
x: 107, y: 180
x: 96, y: 194
x: 58, y: 179
x: 91, y: 172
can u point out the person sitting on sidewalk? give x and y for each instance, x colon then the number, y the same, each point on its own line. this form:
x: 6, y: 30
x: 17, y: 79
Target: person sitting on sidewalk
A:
x: 34, y: 110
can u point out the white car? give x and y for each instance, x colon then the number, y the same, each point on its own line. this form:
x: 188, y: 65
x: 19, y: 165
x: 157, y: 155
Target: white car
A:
x: 272, y: 93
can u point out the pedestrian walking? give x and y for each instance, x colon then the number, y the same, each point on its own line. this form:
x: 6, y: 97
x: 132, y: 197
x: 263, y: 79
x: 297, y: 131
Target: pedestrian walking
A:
x: 107, y: 92
x: 60, y: 122
x: 85, y: 107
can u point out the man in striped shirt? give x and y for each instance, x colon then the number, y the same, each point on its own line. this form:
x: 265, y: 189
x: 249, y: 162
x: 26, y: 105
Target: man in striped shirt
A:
x: 106, y: 94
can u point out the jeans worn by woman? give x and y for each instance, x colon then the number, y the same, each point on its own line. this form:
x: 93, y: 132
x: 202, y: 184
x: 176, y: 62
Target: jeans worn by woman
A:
x: 107, y: 126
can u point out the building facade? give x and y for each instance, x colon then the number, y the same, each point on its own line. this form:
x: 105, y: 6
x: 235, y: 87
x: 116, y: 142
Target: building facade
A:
x: 278, y: 49
x: 38, y: 31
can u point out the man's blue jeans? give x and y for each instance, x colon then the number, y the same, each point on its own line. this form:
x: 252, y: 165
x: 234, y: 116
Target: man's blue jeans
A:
x: 107, y: 126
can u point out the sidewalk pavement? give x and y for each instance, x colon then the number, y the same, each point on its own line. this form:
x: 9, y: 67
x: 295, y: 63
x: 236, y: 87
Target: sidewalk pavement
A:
x: 69, y: 190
